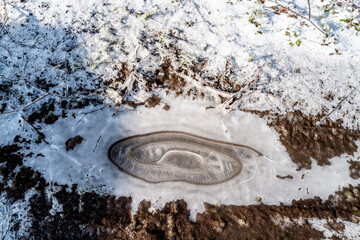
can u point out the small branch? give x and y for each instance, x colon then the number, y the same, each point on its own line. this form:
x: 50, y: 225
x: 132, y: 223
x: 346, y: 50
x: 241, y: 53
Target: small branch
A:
x: 3, y: 46
x: 335, y: 108
x: 5, y: 211
x: 202, y: 16
x: 257, y: 76
x: 86, y: 113
x: 198, y: 10
x: 22, y: 43
x: 6, y: 232
x: 26, y: 106
x: 227, y: 70
x: 54, y: 94
x: 40, y: 134
x: 308, y: 1
x: 6, y: 18
x: 136, y: 52
x: 203, y: 83
x: 97, y: 142
x: 233, y: 102
x: 64, y: 80
x: 299, y: 15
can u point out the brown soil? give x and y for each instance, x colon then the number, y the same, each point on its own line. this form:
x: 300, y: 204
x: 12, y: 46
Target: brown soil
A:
x: 285, y: 177
x: 166, y: 107
x: 336, y: 226
x: 91, y: 216
x: 152, y: 101
x: 354, y: 168
x: 166, y: 77
x: 45, y: 114
x: 3, y: 107
x: 133, y: 104
x: 304, y: 140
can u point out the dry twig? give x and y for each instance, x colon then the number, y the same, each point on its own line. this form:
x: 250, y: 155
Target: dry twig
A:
x: 86, y: 113
x: 299, y: 15
x: 97, y: 143
x: 6, y: 17
x: 40, y: 134
x: 233, y: 102
x: 26, y: 106
x: 201, y: 15
x: 335, y: 108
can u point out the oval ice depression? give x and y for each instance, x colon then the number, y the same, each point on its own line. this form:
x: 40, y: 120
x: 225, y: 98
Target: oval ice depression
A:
x: 178, y: 156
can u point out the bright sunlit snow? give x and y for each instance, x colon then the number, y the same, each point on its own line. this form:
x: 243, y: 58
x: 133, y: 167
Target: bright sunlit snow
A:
x: 283, y: 58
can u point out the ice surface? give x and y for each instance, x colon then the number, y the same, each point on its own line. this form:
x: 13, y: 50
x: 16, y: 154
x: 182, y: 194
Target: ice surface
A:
x: 177, y: 156
x: 88, y: 165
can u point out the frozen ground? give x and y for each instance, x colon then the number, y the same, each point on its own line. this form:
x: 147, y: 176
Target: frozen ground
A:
x: 220, y: 57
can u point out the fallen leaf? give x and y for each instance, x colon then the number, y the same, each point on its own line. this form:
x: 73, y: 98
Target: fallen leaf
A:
x: 72, y: 142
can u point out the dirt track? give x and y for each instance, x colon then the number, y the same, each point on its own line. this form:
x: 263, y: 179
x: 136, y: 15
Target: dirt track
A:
x: 92, y: 216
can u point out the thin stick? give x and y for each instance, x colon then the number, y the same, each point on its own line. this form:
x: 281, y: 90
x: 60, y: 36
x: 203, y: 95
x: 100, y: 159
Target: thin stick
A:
x: 199, y: 81
x: 64, y: 80
x: 97, y: 142
x: 202, y: 16
x: 299, y: 15
x: 54, y: 94
x: 258, y: 75
x: 198, y: 10
x: 26, y: 106
x: 309, y: 9
x: 243, y: 93
x: 6, y: 18
x: 336, y: 107
x: 86, y: 113
x: 41, y: 135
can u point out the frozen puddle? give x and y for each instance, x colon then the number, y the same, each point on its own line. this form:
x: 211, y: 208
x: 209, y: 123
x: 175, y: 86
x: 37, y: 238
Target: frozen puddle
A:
x: 154, y: 146
x: 177, y: 156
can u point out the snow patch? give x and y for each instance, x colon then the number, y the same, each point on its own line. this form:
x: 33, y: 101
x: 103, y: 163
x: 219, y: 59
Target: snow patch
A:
x: 88, y: 164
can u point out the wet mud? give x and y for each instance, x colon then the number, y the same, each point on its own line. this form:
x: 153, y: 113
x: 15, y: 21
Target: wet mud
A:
x: 93, y: 216
x: 354, y: 168
x: 311, y: 137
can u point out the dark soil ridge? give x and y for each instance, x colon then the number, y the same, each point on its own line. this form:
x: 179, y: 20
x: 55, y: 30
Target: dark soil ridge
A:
x: 92, y: 216
x: 304, y: 139
x: 354, y: 168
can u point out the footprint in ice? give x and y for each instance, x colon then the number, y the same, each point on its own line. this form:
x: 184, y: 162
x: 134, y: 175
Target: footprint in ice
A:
x: 177, y: 156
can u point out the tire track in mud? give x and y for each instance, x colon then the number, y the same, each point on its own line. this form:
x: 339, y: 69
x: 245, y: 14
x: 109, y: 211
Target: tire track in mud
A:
x: 94, y: 216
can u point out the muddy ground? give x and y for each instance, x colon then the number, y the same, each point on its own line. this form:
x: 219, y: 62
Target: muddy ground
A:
x: 93, y: 216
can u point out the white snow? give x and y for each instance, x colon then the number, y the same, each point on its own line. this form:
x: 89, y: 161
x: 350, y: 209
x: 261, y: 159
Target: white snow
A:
x: 88, y: 164
x: 351, y: 230
x: 12, y: 214
x: 80, y: 43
